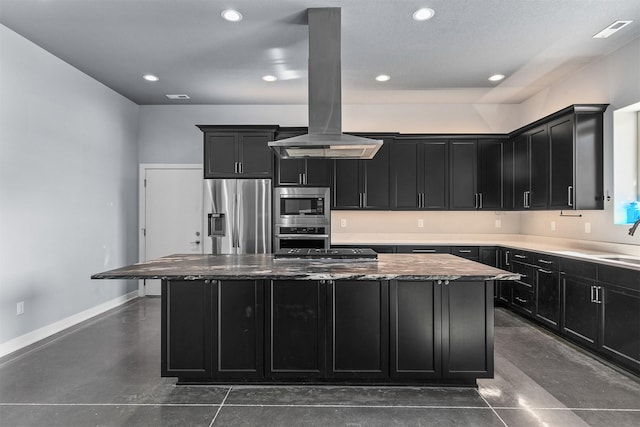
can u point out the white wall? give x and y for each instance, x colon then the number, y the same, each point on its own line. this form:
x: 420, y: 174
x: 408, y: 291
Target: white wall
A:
x: 613, y: 80
x: 68, y: 188
x: 168, y: 133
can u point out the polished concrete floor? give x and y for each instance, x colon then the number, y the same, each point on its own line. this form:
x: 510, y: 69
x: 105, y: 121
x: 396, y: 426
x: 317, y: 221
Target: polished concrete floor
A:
x: 106, y: 372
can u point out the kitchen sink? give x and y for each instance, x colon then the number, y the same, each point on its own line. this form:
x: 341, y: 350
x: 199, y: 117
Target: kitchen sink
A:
x: 620, y: 258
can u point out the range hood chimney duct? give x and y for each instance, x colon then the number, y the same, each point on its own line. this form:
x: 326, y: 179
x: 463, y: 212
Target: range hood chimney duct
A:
x: 325, y: 138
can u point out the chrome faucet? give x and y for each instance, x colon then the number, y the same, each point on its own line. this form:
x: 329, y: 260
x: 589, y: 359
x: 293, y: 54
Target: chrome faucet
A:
x: 633, y: 227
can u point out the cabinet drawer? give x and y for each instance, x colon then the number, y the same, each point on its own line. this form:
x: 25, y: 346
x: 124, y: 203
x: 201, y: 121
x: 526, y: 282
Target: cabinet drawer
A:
x: 424, y: 249
x: 521, y: 256
x: 466, y: 251
x: 527, y: 273
x: 625, y: 277
x: 522, y: 298
x: 546, y: 262
x: 574, y: 267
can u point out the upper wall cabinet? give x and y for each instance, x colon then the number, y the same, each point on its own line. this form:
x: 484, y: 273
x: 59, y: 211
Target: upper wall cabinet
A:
x: 557, y: 161
x: 301, y: 172
x: 362, y: 184
x: 419, y: 174
x: 238, y: 152
x: 476, y: 174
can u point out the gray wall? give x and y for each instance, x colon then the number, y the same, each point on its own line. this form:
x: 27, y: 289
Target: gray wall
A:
x: 68, y: 187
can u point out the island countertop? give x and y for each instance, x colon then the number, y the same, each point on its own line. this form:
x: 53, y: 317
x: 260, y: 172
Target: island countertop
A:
x: 264, y: 266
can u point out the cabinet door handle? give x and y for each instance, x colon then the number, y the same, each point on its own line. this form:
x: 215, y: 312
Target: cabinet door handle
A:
x: 541, y: 270
x: 520, y: 256
x: 364, y: 200
x: 545, y: 261
x: 300, y: 179
x: 524, y: 301
x: 359, y: 200
x: 506, y: 257
x: 464, y: 251
x: 599, y: 294
x: 424, y: 251
x: 241, y: 167
x: 304, y: 178
x: 570, y: 195
x: 480, y: 197
x: 593, y: 294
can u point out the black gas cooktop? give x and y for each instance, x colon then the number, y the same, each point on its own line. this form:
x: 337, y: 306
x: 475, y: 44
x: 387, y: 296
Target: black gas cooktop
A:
x: 337, y: 253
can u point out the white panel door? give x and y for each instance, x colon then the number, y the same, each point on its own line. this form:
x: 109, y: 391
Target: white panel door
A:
x: 172, y: 214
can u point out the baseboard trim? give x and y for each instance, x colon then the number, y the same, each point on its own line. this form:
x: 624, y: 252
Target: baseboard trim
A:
x: 32, y: 337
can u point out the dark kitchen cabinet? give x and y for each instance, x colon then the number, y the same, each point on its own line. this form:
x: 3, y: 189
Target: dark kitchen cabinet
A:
x: 491, y: 174
x: 538, y: 195
x: 239, y: 327
x: 463, y: 192
x: 358, y: 329
x: 296, y: 329
x: 576, y: 150
x: 468, y: 252
x: 557, y: 161
x: 489, y: 255
x: 547, y: 304
x: 301, y: 172
x: 189, y: 305
x: 238, y: 152
x: 416, y: 329
x: 419, y: 174
x: 409, y: 249
x: 580, y: 306
x: 530, y: 166
x: 466, y: 323
x: 620, y: 316
x: 362, y: 184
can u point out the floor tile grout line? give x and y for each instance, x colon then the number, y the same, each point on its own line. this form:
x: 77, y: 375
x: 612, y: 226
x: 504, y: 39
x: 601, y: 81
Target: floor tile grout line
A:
x: 492, y: 409
x: 220, y: 407
x: 249, y: 405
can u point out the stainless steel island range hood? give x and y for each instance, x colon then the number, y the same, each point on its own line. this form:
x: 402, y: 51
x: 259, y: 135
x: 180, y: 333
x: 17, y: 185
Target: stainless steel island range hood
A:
x: 325, y: 138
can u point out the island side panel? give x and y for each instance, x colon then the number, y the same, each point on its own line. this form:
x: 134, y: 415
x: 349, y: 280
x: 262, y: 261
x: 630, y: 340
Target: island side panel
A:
x: 186, y: 342
x: 467, y: 329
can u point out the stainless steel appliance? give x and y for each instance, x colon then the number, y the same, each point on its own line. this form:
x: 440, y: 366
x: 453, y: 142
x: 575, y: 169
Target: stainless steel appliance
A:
x: 237, y: 215
x: 334, y: 253
x: 301, y: 218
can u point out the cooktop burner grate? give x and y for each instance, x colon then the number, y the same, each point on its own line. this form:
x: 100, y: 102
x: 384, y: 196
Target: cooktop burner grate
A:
x: 335, y: 253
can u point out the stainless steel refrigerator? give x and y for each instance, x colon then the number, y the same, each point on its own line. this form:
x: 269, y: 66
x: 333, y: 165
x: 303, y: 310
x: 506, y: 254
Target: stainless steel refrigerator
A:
x: 237, y: 216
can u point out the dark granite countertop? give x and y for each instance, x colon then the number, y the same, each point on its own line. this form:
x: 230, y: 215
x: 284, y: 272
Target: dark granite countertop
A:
x: 264, y: 266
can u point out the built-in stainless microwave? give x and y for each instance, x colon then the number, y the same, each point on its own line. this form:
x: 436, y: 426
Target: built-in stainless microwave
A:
x: 303, y: 206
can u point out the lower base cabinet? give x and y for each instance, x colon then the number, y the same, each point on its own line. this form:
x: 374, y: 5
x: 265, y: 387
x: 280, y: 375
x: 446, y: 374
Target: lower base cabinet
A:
x: 327, y: 331
x: 296, y: 329
x: 580, y: 310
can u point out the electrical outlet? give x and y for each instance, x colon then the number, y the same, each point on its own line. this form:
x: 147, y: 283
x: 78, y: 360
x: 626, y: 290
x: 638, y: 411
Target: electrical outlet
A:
x: 498, y: 223
x: 421, y: 223
x: 343, y: 222
x: 553, y: 226
x: 20, y: 308
x: 587, y: 227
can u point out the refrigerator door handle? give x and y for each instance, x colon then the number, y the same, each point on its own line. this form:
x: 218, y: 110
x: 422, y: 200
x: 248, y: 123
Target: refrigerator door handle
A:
x: 235, y: 242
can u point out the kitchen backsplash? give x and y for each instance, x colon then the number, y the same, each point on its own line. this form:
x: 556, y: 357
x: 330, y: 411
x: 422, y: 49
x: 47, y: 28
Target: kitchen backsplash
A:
x: 453, y: 222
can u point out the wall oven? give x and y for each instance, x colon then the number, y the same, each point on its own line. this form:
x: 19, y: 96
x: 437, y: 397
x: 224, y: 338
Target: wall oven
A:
x: 302, y: 218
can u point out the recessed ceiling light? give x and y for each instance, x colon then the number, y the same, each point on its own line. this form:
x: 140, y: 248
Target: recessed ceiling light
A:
x: 496, y: 77
x: 383, y: 78
x: 178, y: 96
x: 231, y: 15
x: 423, y: 14
x: 269, y: 78
x: 150, y: 78
x: 613, y: 28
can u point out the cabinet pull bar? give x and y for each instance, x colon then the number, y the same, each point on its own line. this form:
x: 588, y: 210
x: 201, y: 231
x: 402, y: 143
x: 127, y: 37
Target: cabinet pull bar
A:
x: 593, y: 293
x: 304, y: 178
x: 364, y: 200
x: 570, y: 195
x: 465, y: 251
x: 599, y: 294
x: 544, y: 261
x: 424, y: 251
x: 506, y: 257
x: 520, y: 256
x: 524, y: 301
x: 541, y: 270
x: 480, y: 200
x: 241, y: 167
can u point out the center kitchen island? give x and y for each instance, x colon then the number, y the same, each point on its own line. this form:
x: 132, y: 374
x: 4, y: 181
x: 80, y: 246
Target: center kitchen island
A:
x: 397, y: 319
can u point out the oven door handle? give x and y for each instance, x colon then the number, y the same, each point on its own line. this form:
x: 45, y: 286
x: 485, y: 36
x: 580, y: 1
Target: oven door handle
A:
x: 302, y: 236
